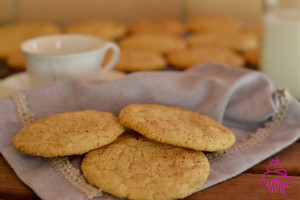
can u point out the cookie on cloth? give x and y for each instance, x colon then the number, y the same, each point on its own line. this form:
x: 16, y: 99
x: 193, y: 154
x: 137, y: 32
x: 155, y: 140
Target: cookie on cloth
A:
x: 213, y: 23
x: 131, y: 61
x: 134, y: 167
x: 171, y: 27
x: 71, y: 133
x: 104, y: 29
x: 238, y: 41
x: 158, y: 43
x: 177, y: 126
x: 190, y: 57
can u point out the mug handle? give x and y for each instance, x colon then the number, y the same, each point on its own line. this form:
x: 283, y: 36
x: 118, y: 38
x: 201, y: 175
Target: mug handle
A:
x: 113, y: 60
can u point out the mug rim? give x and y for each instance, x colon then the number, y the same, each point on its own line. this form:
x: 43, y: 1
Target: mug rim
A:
x: 24, y: 48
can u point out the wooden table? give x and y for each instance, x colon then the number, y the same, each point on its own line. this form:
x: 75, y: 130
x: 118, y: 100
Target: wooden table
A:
x: 244, y: 187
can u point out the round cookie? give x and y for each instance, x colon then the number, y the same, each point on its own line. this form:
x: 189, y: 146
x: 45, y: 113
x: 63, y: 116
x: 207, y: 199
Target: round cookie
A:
x: 189, y: 58
x: 177, y: 126
x: 104, y: 29
x: 134, y: 167
x: 254, y: 28
x: 153, y: 42
x: 71, y: 133
x: 238, y: 41
x: 170, y: 27
x: 207, y: 23
x: 131, y: 61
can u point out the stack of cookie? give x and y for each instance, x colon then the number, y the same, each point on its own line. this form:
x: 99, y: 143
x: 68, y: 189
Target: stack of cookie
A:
x: 151, y: 44
x: 155, y: 38
x: 220, y: 39
x: 155, y: 44
x: 158, y: 157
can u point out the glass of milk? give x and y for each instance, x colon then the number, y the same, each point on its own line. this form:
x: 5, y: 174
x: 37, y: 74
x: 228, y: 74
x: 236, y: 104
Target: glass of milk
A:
x: 280, y: 55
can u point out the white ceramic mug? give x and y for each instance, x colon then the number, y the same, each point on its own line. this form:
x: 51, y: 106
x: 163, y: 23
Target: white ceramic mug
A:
x: 67, y: 56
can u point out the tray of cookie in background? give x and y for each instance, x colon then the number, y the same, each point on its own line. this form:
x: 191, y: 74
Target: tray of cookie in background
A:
x: 148, y: 44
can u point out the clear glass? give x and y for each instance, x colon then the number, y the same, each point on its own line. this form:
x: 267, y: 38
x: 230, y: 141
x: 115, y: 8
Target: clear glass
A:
x: 280, y: 55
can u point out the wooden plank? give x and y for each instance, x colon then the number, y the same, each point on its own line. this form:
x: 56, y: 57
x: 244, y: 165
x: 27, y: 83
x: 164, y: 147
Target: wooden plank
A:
x: 245, y: 10
x: 7, y: 10
x: 289, y: 157
x: 123, y: 11
x: 245, y: 186
x: 10, y: 185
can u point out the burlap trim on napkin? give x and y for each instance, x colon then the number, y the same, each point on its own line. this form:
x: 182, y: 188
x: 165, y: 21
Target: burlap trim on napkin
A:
x: 284, y: 100
x: 75, y: 178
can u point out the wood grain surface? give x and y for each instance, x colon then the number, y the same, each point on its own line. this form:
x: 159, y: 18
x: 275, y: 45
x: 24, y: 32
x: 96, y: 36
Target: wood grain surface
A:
x: 244, y: 186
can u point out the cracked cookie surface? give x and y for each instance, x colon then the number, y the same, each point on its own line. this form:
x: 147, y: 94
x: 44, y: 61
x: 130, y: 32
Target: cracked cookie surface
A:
x: 72, y: 133
x: 135, y: 167
x: 177, y: 126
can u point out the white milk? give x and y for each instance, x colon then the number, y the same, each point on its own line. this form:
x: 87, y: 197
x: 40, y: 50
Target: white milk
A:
x: 280, y: 58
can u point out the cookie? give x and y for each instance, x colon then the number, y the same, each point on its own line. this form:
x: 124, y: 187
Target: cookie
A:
x: 170, y: 27
x: 252, y: 58
x: 238, y: 41
x: 134, y: 167
x: 177, y: 126
x: 189, y: 58
x: 131, y: 61
x: 72, y: 133
x: 104, y: 29
x: 254, y: 28
x: 153, y: 43
x: 217, y: 23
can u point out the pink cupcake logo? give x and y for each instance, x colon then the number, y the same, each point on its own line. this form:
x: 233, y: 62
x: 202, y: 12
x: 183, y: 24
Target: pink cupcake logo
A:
x: 278, y: 184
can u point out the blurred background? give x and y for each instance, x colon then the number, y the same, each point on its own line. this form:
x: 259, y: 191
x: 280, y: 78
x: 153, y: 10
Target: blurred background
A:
x: 222, y: 31
x: 126, y: 11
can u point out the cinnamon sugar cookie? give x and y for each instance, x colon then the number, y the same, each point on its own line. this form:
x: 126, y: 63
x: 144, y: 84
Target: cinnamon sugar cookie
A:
x: 170, y: 27
x: 255, y: 28
x: 177, y: 126
x: 153, y: 42
x: 134, y: 167
x: 104, y: 29
x: 238, y: 41
x: 131, y: 61
x: 191, y: 57
x: 71, y: 133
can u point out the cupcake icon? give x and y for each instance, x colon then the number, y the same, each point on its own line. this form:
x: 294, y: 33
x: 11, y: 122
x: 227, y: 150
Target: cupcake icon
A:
x: 278, y: 184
